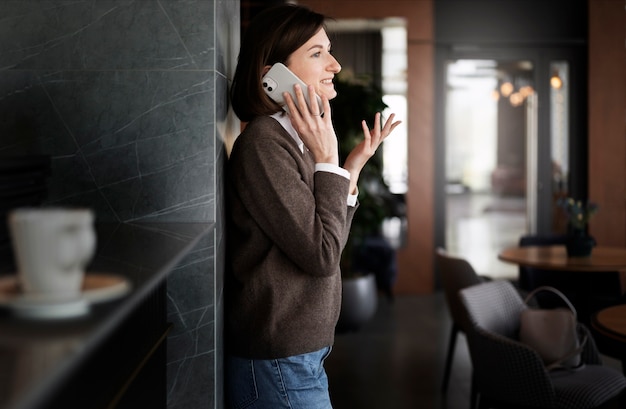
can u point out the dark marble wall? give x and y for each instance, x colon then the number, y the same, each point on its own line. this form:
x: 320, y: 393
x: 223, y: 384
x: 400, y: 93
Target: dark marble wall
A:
x: 128, y: 97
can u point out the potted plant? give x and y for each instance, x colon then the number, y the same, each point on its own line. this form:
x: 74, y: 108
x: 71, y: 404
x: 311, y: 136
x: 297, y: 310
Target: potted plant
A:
x: 358, y: 99
x: 579, y: 242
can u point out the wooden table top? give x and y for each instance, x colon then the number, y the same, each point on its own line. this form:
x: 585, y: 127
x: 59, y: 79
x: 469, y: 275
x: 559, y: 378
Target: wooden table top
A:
x: 602, y: 258
x: 611, y: 321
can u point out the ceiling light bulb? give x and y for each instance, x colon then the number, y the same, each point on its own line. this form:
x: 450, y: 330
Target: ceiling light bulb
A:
x: 526, y: 90
x: 555, y: 81
x: 516, y: 99
x: 506, y: 89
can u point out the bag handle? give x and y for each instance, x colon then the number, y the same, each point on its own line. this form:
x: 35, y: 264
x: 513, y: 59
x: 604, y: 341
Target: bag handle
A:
x: 554, y: 291
x: 559, y: 363
x: 583, y: 341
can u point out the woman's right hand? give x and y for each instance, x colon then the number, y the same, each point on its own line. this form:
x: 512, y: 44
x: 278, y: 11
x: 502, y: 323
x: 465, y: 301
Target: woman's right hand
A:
x: 315, y: 130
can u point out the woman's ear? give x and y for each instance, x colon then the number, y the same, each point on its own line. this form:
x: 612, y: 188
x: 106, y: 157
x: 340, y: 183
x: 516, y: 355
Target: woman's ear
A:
x: 265, y: 70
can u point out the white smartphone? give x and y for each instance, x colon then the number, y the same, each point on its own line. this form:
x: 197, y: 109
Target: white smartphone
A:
x: 280, y: 79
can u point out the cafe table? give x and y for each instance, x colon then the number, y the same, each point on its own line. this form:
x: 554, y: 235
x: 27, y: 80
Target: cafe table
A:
x: 611, y: 324
x: 602, y: 258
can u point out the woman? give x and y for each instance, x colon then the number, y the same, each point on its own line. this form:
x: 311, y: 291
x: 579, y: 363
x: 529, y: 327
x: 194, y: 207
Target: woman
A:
x: 290, y: 208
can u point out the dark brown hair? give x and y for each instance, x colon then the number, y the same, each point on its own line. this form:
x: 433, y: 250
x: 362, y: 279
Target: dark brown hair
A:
x: 271, y: 37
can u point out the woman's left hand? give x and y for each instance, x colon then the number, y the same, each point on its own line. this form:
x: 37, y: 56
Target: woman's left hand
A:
x: 361, y: 153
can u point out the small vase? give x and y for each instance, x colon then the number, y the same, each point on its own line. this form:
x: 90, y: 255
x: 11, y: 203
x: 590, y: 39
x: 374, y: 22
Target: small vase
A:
x: 579, y: 244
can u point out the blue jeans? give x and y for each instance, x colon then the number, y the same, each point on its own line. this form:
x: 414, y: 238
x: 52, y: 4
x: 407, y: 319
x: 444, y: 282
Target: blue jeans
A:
x: 295, y: 382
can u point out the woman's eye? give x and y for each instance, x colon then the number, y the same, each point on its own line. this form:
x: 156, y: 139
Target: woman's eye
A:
x: 317, y: 54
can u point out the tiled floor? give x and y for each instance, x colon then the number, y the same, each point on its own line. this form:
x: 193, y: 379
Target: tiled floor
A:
x: 396, y: 360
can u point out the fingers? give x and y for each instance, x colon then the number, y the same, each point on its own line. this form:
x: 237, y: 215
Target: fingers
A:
x: 326, y: 106
x: 295, y: 106
x: 375, y: 136
x: 291, y: 105
x: 366, y: 129
x: 377, y: 122
x: 302, y: 105
x: 385, y: 129
x: 390, y: 125
x: 304, y: 109
x: 314, y: 106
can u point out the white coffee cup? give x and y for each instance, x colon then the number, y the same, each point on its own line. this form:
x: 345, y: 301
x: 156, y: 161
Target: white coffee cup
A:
x: 52, y: 247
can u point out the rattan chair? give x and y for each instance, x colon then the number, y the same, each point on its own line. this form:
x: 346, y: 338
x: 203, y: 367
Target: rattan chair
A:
x: 509, y: 374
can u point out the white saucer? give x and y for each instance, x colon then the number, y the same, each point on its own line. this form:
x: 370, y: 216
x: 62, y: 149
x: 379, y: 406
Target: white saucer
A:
x: 97, y: 287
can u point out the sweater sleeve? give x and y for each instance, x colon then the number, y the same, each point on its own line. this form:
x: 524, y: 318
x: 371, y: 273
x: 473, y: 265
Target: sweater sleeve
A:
x: 302, y: 212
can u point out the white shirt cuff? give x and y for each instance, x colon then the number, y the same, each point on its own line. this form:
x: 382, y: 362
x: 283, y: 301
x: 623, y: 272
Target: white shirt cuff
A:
x: 329, y: 167
x: 352, y: 198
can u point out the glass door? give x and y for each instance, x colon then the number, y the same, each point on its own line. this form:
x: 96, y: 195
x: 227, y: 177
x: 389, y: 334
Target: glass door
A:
x: 510, y: 142
x: 490, y: 119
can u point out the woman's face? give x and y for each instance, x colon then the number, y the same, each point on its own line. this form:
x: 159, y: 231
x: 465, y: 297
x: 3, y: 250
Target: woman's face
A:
x: 315, y: 65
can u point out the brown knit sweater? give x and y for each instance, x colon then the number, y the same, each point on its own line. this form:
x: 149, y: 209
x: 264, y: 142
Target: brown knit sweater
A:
x: 287, y: 226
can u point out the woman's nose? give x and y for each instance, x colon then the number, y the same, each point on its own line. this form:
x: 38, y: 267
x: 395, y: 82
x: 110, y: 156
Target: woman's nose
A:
x: 335, y: 66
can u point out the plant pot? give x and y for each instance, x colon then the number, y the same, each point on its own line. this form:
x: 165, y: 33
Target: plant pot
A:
x: 359, y: 302
x: 579, y: 245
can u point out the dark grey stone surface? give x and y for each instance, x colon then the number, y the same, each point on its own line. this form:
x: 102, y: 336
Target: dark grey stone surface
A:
x: 129, y: 99
x: 47, y: 356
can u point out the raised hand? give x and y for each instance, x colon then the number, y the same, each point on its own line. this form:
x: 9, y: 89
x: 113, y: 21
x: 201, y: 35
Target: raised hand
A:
x: 361, y: 153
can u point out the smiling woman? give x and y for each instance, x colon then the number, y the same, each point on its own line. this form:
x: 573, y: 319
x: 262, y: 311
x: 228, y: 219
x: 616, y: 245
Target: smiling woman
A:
x: 314, y: 64
x: 290, y: 207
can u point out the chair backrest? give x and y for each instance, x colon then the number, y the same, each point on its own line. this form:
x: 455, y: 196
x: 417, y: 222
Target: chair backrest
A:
x: 495, y: 308
x: 456, y: 274
x: 505, y: 370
